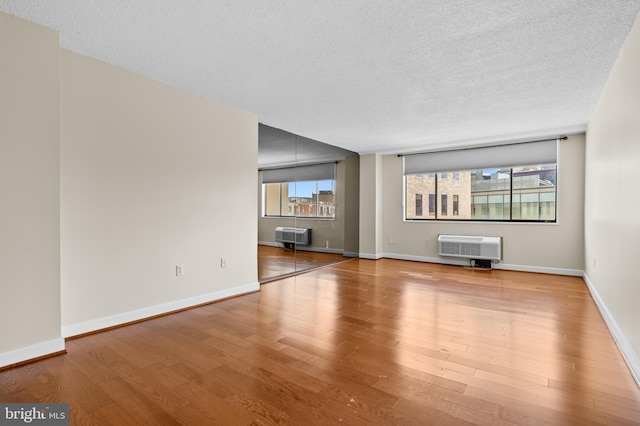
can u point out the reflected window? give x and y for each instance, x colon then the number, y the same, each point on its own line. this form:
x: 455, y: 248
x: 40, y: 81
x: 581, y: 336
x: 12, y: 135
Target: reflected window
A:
x: 311, y: 199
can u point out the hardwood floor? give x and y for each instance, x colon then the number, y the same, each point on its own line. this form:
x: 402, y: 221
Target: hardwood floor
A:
x: 359, y: 342
x: 274, y: 262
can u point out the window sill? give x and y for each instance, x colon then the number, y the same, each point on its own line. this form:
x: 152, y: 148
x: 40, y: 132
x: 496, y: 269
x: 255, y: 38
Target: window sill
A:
x: 481, y: 222
x: 300, y: 218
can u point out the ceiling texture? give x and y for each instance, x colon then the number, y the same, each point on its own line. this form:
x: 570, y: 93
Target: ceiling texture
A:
x: 383, y: 76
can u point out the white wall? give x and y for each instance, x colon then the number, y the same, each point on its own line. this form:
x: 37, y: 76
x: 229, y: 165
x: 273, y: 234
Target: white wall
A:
x: 555, y: 248
x: 151, y: 177
x: 612, y: 220
x: 30, y: 191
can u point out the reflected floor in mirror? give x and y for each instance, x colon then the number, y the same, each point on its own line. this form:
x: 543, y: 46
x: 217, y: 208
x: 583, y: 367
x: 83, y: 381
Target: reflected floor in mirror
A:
x: 384, y: 342
x: 274, y: 262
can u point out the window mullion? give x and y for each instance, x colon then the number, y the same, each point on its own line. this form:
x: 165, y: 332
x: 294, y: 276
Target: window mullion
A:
x: 511, y: 195
x: 436, y: 197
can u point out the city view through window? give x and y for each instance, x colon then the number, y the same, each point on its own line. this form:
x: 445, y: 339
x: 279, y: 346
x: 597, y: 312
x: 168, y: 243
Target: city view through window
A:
x: 312, y: 199
x: 523, y: 193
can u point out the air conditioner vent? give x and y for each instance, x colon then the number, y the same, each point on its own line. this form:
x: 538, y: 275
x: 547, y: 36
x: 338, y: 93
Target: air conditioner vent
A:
x: 287, y: 235
x: 471, y: 247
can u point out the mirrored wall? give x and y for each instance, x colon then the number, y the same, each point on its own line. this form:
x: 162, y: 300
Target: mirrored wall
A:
x: 308, y: 204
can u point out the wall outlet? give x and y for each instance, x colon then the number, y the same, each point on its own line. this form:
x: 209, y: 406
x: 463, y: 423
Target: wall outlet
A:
x: 179, y: 270
x: 223, y: 262
x: 326, y: 244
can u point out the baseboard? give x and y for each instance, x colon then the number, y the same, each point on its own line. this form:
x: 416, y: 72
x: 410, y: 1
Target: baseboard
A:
x: 304, y: 248
x: 465, y: 262
x: 140, y: 314
x: 539, y: 269
x: 31, y: 352
x: 268, y: 243
x: 443, y: 261
x: 370, y: 256
x: 351, y: 254
x: 628, y: 353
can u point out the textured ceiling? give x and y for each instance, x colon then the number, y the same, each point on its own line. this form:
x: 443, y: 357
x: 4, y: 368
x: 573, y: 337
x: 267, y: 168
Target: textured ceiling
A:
x: 365, y: 75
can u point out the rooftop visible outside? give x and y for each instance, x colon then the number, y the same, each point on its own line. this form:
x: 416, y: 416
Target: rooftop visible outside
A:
x: 526, y: 193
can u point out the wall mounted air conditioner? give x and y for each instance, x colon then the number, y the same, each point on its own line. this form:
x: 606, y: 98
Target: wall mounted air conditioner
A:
x: 470, y: 247
x: 287, y: 235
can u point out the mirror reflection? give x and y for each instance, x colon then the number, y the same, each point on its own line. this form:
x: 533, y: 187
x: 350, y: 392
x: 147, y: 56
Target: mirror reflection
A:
x: 308, y: 203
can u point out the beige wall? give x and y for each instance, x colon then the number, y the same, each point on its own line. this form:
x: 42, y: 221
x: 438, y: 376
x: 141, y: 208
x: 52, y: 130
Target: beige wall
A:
x: 544, y: 247
x: 151, y: 177
x: 612, y: 222
x: 372, y: 200
x: 322, y: 230
x: 30, y: 191
x: 352, y: 206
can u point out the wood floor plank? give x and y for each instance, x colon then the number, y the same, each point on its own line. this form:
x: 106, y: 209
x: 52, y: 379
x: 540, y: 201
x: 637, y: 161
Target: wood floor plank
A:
x: 359, y: 342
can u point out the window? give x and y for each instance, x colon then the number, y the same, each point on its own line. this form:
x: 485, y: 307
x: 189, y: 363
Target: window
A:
x: 490, y: 183
x: 315, y: 199
x: 521, y: 193
x: 418, y: 204
x: 306, y: 191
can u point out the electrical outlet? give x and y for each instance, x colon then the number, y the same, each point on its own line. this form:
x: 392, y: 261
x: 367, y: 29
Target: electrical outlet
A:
x: 179, y: 270
x: 326, y: 244
x: 223, y: 262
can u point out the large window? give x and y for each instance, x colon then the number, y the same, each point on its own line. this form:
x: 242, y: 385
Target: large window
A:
x: 309, y: 198
x: 487, y: 194
x: 501, y: 193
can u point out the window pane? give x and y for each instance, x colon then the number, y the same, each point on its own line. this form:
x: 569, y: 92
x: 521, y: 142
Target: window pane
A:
x: 301, y: 195
x: 417, y: 185
x: 458, y: 192
x: 536, y: 187
x: 418, y: 205
x: 271, y: 199
x: 443, y: 205
x: 326, y: 198
x: 489, y: 187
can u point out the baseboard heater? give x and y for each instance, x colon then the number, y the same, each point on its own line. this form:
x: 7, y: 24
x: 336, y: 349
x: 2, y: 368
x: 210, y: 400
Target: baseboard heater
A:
x: 290, y: 236
x: 482, y: 251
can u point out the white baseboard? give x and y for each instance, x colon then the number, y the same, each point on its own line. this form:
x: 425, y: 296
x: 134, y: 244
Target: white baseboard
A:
x: 628, y: 353
x: 304, y: 248
x: 139, y: 314
x: 539, y: 269
x: 370, y: 256
x: 452, y: 261
x: 31, y: 352
x: 465, y: 262
x: 268, y: 243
